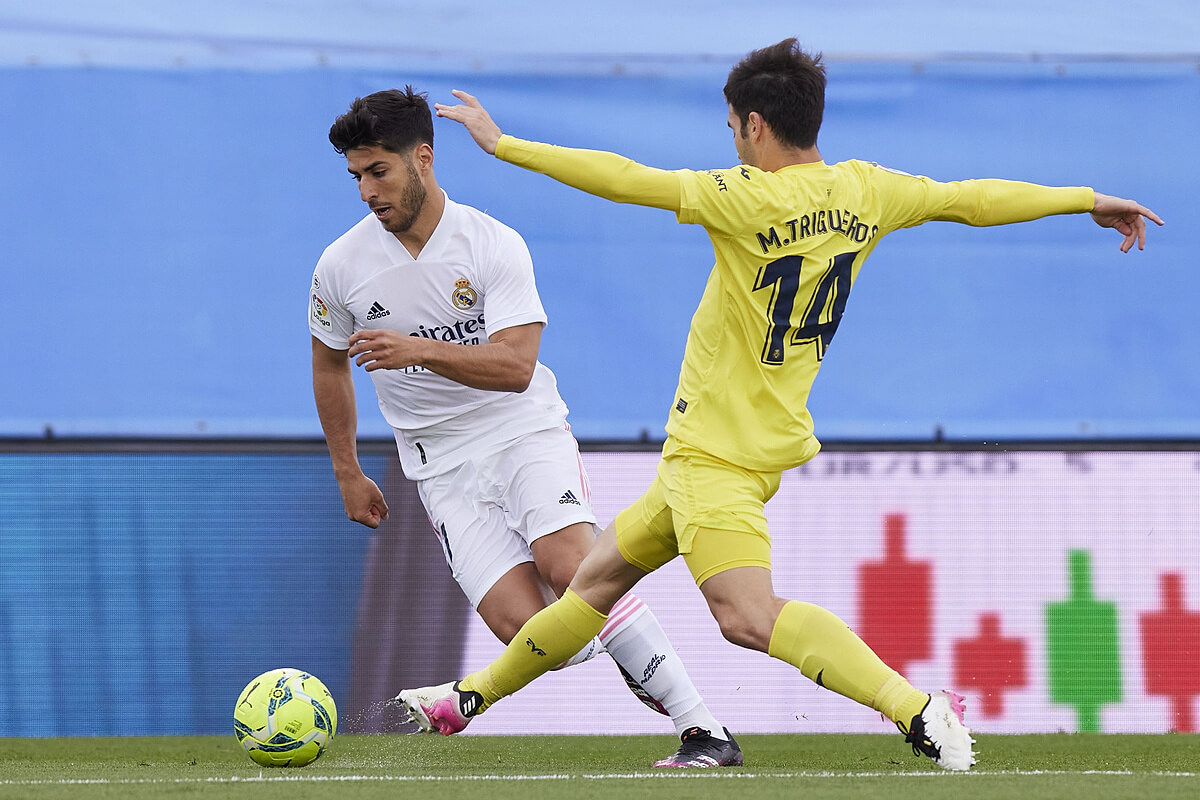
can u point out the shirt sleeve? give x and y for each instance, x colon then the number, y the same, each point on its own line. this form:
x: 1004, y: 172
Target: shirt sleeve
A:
x: 328, y: 318
x: 723, y: 200
x: 912, y: 200
x: 597, y: 172
x: 510, y: 294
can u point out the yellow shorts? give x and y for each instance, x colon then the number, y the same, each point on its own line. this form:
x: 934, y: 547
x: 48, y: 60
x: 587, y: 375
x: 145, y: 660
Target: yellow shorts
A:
x: 705, y: 509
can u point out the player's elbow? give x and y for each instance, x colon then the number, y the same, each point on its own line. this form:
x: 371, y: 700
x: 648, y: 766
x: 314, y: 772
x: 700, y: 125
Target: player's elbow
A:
x: 518, y: 378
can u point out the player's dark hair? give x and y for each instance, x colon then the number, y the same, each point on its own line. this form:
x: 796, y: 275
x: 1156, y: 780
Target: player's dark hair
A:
x: 392, y: 119
x: 786, y: 86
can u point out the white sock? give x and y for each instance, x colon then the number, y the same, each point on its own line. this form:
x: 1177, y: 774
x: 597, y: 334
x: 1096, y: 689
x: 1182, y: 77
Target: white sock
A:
x: 589, y: 651
x: 635, y: 640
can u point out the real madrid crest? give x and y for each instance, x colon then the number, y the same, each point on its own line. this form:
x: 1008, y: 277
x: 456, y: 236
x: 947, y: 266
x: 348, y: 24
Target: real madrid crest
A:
x: 463, y: 296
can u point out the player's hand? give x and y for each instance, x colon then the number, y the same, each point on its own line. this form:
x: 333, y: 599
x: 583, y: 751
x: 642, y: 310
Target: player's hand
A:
x: 1126, y: 217
x: 475, y: 118
x: 363, y: 501
x: 378, y: 349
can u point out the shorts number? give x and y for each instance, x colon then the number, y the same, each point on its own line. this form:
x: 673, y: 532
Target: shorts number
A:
x: 819, y: 321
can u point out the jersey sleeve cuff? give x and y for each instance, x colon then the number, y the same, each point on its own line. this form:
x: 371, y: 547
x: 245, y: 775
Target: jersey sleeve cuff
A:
x: 329, y: 340
x: 506, y: 143
x: 1086, y: 197
x: 495, y: 326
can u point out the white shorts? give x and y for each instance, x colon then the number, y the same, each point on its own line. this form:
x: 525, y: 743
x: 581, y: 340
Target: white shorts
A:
x: 487, y: 511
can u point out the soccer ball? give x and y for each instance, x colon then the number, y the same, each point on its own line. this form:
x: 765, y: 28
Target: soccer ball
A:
x: 285, y: 718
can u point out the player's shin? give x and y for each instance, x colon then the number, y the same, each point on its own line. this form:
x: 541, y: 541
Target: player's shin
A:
x: 549, y: 638
x: 829, y: 653
x: 636, y: 641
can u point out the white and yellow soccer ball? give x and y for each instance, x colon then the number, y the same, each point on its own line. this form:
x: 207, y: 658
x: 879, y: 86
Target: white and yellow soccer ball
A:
x: 285, y: 718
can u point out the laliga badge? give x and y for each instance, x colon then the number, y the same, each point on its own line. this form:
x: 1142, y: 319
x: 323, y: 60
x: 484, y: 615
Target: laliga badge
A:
x: 320, y: 313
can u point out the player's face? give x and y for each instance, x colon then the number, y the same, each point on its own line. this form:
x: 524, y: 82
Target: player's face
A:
x: 740, y: 143
x: 390, y: 184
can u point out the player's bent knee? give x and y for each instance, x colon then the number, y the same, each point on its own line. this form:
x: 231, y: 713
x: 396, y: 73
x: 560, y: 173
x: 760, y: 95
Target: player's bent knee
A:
x: 744, y: 627
x: 559, y: 571
x: 559, y: 555
x: 559, y: 578
x: 605, y: 576
x: 512, y: 600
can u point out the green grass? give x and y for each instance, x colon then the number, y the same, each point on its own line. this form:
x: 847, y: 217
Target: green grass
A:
x: 1088, y: 766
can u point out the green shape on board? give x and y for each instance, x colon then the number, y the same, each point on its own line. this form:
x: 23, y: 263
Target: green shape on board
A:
x: 1083, y: 649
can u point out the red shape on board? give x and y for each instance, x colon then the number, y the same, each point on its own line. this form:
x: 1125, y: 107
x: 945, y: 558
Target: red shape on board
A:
x: 895, y: 609
x: 990, y: 664
x: 1171, y: 653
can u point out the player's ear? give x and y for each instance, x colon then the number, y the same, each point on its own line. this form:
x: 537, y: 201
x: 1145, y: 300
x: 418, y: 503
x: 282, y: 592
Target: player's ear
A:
x: 423, y: 155
x: 755, y: 126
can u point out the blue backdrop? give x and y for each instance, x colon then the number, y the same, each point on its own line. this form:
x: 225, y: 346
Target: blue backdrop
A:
x: 140, y: 592
x: 161, y: 228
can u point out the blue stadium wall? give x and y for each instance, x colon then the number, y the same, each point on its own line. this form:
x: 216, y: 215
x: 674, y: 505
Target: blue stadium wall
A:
x: 139, y: 593
x: 161, y: 227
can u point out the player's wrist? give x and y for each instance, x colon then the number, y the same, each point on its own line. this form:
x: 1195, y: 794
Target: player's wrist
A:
x: 347, y: 471
x: 424, y: 352
x: 502, y: 144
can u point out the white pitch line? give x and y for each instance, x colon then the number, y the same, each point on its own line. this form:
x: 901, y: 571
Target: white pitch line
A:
x: 940, y: 774
x: 704, y: 774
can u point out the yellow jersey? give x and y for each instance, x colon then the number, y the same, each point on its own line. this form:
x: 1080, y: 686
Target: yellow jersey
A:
x: 788, y: 245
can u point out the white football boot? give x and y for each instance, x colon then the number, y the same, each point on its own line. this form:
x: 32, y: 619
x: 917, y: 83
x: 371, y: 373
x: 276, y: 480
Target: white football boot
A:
x: 938, y: 732
x: 446, y: 709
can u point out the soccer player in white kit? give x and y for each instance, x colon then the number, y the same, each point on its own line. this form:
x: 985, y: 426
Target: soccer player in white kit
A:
x: 437, y: 301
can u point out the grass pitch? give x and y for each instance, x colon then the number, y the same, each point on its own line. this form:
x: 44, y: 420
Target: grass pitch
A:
x: 1089, y: 766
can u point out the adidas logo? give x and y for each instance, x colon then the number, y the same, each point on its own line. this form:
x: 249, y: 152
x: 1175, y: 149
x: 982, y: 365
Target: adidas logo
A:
x: 468, y: 702
x: 568, y: 497
x: 377, y: 311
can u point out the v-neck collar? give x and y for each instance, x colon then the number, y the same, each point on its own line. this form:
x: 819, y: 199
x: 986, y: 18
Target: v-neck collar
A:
x: 396, y: 247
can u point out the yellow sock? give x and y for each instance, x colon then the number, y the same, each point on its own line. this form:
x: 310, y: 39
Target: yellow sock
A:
x: 549, y: 638
x: 827, y: 652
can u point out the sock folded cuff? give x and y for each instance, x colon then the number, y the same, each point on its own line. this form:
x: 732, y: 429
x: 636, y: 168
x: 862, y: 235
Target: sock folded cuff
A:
x: 626, y: 611
x: 787, y: 629
x: 594, y: 619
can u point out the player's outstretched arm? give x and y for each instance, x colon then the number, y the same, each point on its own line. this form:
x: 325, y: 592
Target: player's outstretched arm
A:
x: 1126, y: 217
x: 474, y: 118
x: 597, y: 172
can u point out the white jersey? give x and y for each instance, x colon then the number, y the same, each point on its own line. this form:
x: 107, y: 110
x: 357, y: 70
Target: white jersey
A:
x: 474, y: 277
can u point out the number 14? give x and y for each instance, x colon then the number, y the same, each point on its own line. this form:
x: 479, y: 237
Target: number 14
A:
x: 820, y: 319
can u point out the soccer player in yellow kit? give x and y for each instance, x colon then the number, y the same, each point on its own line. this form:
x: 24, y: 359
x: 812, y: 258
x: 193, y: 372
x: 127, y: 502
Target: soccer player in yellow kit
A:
x: 790, y: 233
